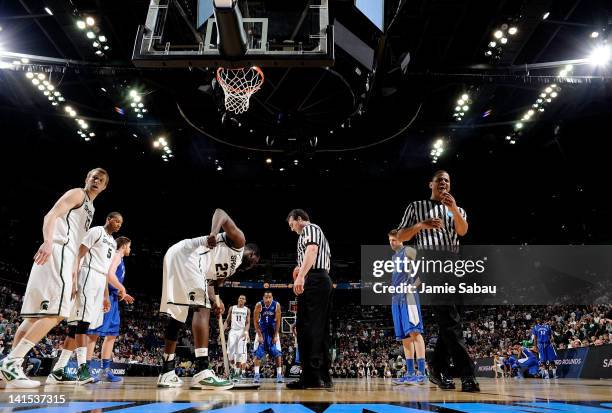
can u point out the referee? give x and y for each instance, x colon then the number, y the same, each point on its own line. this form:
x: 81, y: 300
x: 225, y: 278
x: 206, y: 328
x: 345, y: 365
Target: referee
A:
x: 437, y: 223
x: 313, y: 288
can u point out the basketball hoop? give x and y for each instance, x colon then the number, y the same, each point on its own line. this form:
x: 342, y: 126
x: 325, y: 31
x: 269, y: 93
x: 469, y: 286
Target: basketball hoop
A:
x: 238, y: 86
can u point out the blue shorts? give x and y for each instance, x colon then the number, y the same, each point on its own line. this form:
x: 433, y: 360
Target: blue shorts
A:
x: 546, y: 352
x: 268, y: 346
x: 401, y: 320
x: 112, y: 320
x: 529, y: 364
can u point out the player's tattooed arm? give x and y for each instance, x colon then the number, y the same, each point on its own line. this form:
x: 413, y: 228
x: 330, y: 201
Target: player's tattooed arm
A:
x: 213, y: 295
x: 277, y: 322
x: 71, y: 199
x: 255, y: 321
x: 235, y: 237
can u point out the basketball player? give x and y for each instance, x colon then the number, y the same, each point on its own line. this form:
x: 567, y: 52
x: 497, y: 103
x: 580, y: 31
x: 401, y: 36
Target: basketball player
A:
x: 96, y: 251
x: 542, y: 339
x: 407, y: 320
x: 47, y: 299
x: 192, y: 270
x: 527, y: 362
x: 108, y: 323
x: 267, y: 321
x: 238, y: 336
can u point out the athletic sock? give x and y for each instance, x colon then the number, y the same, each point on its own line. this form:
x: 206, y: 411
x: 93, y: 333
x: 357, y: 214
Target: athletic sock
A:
x: 21, y: 349
x: 169, y: 363
x: 106, y: 363
x: 201, y: 358
x: 410, y: 366
x: 421, y: 366
x: 554, y: 372
x: 256, y: 369
x: 64, y: 358
x: 81, y: 354
x: 279, y: 371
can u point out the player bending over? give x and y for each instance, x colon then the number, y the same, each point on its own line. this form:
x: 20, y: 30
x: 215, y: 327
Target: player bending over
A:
x: 47, y: 300
x: 527, y: 362
x: 267, y: 320
x: 407, y: 320
x: 238, y: 337
x: 191, y: 270
x: 542, y: 337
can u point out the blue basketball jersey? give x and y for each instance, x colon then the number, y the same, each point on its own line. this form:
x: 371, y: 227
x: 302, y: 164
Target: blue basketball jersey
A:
x: 543, y: 333
x: 267, y: 318
x: 527, y: 353
x: 120, y: 273
x: 400, y: 277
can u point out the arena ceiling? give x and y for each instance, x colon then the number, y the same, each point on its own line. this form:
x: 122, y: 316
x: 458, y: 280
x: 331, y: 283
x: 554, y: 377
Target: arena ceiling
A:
x: 545, y: 175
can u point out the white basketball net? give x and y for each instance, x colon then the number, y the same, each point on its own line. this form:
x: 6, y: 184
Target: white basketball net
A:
x: 238, y: 86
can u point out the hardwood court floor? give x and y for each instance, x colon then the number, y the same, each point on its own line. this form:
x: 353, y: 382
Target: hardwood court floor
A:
x: 368, y: 392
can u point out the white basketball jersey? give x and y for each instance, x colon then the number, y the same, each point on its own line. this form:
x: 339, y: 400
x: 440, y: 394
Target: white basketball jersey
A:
x: 101, y: 246
x: 221, y: 261
x: 71, y: 228
x: 239, y: 316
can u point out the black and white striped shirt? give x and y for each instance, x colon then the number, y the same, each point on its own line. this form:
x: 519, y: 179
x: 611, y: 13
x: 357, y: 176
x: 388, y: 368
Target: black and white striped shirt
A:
x: 313, y: 235
x: 445, y: 238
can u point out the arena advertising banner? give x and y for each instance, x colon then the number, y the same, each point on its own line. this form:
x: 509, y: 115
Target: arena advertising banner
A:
x: 599, y: 363
x: 118, y: 369
x: 583, y: 362
x: 487, y: 274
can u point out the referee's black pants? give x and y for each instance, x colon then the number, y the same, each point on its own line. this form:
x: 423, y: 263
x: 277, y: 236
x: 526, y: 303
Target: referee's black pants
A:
x: 312, y: 324
x: 450, y: 343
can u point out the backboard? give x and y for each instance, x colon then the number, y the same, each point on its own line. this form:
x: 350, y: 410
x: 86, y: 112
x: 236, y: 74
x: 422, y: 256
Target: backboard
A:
x: 289, y: 33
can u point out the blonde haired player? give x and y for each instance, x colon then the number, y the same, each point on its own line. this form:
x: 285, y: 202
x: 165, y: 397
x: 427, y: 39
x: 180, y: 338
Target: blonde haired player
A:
x: 238, y: 336
x: 47, y: 299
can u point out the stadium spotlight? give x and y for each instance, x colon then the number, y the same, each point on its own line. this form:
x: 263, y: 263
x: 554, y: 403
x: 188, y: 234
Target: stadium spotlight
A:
x: 90, y: 21
x: 498, y: 35
x: 80, y: 24
x: 91, y: 35
x: 594, y: 35
x: 545, y: 16
x: 512, y: 31
x: 268, y: 160
x: 49, y: 12
x: 600, y: 56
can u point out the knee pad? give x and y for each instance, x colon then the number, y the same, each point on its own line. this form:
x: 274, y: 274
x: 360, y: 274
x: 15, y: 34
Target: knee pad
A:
x: 82, y: 327
x: 172, y: 329
x: 72, y: 329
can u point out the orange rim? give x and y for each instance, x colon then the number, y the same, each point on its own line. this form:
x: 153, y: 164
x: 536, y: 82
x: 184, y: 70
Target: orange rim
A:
x: 234, y: 90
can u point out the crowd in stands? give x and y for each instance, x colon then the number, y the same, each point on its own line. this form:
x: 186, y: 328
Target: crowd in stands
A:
x: 363, y: 339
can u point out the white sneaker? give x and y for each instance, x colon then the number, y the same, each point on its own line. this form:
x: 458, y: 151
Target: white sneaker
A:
x: 208, y: 380
x: 169, y: 379
x: 12, y: 372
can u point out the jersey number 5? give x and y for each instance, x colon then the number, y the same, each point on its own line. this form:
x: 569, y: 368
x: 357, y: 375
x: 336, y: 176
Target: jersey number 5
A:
x: 221, y: 270
x: 110, y: 253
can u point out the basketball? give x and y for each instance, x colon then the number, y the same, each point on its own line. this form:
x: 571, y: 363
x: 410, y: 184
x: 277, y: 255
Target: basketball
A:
x: 296, y: 271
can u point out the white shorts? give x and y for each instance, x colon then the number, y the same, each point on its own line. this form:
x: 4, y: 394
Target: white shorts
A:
x: 237, y: 346
x: 89, y: 303
x: 50, y: 285
x: 181, y: 290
